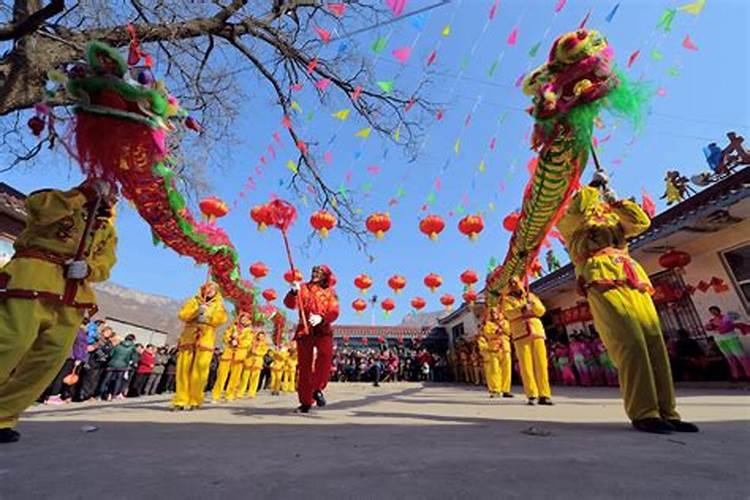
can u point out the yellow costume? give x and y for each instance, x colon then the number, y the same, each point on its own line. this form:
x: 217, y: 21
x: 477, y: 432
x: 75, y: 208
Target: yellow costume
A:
x: 494, y: 344
x: 523, y: 312
x: 289, y: 375
x: 253, y: 366
x: 201, y: 314
x: 618, y: 292
x: 236, y: 342
x: 279, y: 360
x: 41, y: 310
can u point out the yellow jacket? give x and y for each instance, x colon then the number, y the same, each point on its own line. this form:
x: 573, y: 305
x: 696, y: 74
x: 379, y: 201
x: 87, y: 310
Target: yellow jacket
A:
x: 236, y: 344
x: 291, y: 361
x: 280, y: 357
x: 497, y: 335
x: 256, y: 353
x: 523, y: 315
x: 596, y: 236
x: 197, y: 335
x: 54, y: 227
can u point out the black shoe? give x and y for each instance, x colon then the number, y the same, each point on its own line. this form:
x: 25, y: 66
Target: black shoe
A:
x: 319, y: 399
x: 531, y: 401
x: 8, y: 435
x: 681, y: 426
x: 303, y: 409
x: 653, y: 425
x: 376, y: 384
x: 508, y: 395
x: 546, y: 401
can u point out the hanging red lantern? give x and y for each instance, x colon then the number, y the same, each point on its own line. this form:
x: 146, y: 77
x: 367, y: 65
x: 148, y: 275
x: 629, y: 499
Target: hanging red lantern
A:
x: 674, y: 259
x: 378, y: 224
x: 447, y: 300
x: 418, y: 303
x: 433, y: 281
x: 397, y: 283
x: 213, y: 208
x: 471, y: 226
x: 388, y: 306
x: 469, y: 278
x: 511, y: 221
x: 259, y: 270
x: 36, y: 125
x: 432, y: 226
x: 363, y: 282
x: 359, y: 305
x: 269, y: 294
x: 470, y: 296
x: 294, y: 276
x: 322, y: 221
x: 262, y: 216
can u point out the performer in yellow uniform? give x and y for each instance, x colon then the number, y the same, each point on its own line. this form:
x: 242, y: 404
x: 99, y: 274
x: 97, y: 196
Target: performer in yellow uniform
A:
x: 45, y: 291
x: 596, y: 227
x: 236, y: 342
x: 253, y: 366
x: 280, y: 356
x: 201, y: 314
x: 289, y: 376
x: 523, y: 310
x: 496, y: 331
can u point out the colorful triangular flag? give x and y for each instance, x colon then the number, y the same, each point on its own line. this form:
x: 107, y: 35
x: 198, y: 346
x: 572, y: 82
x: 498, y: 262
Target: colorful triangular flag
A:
x: 342, y: 115
x: 386, y: 86
x: 365, y: 132
x: 402, y: 54
x: 379, y: 44
x: 446, y: 31
x: 693, y: 8
x: 612, y: 13
x: 688, y: 43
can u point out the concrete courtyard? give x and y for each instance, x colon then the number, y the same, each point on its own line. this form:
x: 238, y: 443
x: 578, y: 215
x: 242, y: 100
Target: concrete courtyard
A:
x: 401, y: 440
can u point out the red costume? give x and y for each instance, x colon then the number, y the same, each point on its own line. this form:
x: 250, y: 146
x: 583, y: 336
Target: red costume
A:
x: 320, y: 299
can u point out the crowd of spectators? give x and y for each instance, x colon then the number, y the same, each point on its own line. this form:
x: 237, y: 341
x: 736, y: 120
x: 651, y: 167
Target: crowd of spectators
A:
x: 388, y: 364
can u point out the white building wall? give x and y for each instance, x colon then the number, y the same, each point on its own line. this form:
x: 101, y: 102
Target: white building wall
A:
x: 143, y: 335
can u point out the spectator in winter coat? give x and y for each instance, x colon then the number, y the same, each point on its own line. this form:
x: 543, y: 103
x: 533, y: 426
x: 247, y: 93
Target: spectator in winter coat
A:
x: 123, y: 355
x: 97, y: 362
x: 160, y: 362
x: 144, y: 369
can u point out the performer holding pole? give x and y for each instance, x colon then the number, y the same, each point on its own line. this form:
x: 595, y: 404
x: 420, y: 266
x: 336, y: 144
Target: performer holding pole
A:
x: 69, y: 242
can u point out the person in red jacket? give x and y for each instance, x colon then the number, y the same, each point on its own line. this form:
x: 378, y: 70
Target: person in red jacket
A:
x: 320, y: 307
x: 145, y: 367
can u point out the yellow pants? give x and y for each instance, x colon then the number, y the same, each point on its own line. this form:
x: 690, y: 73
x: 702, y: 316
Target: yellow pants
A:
x: 192, y: 374
x: 222, y: 375
x: 35, y: 340
x: 532, y: 360
x: 289, y: 380
x: 249, y: 382
x: 506, y: 372
x: 235, y: 380
x: 628, y: 324
x: 275, y: 380
x: 491, y: 366
x: 230, y: 370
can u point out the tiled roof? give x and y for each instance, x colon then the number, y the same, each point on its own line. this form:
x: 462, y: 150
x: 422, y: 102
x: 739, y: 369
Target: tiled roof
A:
x: 12, y: 202
x: 379, y: 331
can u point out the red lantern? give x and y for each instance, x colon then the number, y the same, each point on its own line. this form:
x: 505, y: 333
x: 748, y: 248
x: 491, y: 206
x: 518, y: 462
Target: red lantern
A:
x: 322, y: 221
x: 378, y: 224
x: 293, y: 276
x: 262, y: 216
x: 673, y: 259
x: 471, y: 226
x: 511, y: 221
x: 418, y: 303
x: 432, y: 225
x: 359, y: 305
x: 213, y: 208
x: 469, y: 278
x: 433, y: 281
x: 470, y: 296
x: 388, y: 306
x: 269, y: 294
x: 36, y: 125
x: 447, y: 300
x: 363, y: 282
x: 259, y: 270
x: 397, y: 283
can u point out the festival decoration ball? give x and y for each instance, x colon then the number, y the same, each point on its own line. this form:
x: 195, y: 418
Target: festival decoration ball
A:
x: 433, y: 281
x: 447, y: 300
x: 378, y: 224
x: 511, y: 221
x: 470, y: 296
x: 363, y: 282
x: 293, y: 276
x: 674, y: 259
x: 269, y: 294
x: 322, y: 221
x: 469, y: 277
x: 145, y: 77
x: 261, y: 215
x: 432, y: 226
x: 359, y: 305
x: 213, y: 207
x: 36, y: 125
x: 471, y: 226
x: 259, y: 270
x: 388, y: 305
x: 418, y: 303
x: 397, y: 283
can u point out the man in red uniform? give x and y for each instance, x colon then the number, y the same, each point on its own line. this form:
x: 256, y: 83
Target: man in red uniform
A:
x: 320, y: 307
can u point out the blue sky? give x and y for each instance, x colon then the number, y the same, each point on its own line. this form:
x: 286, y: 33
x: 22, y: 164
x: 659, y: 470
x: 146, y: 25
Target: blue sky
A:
x: 704, y: 96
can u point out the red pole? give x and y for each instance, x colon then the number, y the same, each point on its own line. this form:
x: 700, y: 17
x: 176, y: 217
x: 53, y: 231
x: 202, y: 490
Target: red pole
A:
x: 300, y: 306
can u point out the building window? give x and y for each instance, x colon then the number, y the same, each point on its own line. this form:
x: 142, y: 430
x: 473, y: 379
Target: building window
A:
x: 737, y: 262
x: 457, y: 331
x: 676, y: 312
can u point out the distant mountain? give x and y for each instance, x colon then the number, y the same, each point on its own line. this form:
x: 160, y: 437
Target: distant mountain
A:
x: 422, y: 319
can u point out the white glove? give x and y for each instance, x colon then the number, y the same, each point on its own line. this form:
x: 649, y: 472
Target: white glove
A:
x: 315, y: 319
x: 77, y: 270
x: 609, y: 195
x: 295, y: 287
x: 600, y: 178
x: 202, y: 309
x: 201, y: 317
x: 101, y: 187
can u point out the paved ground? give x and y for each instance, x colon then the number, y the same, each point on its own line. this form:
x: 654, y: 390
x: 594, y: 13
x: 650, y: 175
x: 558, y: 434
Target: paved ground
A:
x: 398, y: 441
